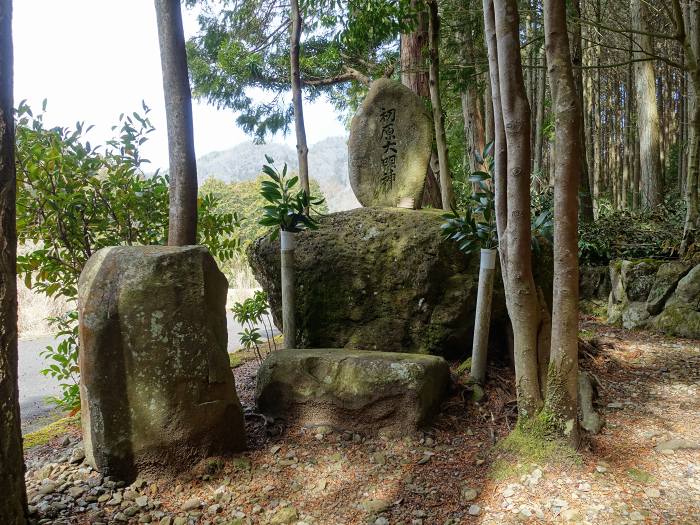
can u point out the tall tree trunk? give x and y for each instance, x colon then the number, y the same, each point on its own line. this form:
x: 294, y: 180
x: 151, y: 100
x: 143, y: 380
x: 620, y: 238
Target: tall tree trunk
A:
x: 446, y: 192
x: 539, y: 121
x: 414, y: 70
x: 471, y: 110
x: 647, y: 112
x: 691, y: 49
x: 629, y: 158
x: 13, y: 498
x: 488, y: 112
x: 585, y: 196
x: 414, y: 75
x: 182, y: 229
x: 589, y: 107
x: 521, y: 295
x: 473, y: 126
x: 636, y: 184
x: 500, y: 152
x: 297, y: 98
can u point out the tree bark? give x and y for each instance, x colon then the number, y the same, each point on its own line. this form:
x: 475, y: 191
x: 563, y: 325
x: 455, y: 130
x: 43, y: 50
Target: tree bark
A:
x: 182, y: 228
x: 647, y: 112
x: 414, y: 75
x: 488, y: 112
x: 446, y: 192
x: 539, y: 121
x: 521, y: 295
x: 414, y: 71
x: 473, y: 127
x: 585, y: 196
x: 297, y: 99
x: 500, y: 152
x: 13, y: 498
x: 562, y: 380
x: 629, y: 158
x: 691, y: 49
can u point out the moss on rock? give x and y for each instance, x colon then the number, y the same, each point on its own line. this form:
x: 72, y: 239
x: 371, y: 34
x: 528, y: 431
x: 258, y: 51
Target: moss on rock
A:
x: 384, y: 279
x: 351, y: 389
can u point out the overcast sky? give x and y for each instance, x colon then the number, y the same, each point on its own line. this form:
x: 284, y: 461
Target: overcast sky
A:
x: 94, y: 59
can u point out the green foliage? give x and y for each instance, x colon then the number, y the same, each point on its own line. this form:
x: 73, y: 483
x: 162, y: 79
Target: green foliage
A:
x: 625, y: 234
x: 244, y: 199
x: 251, y: 313
x: 244, y: 45
x: 74, y: 199
x: 63, y: 360
x: 288, y: 210
x: 477, y: 227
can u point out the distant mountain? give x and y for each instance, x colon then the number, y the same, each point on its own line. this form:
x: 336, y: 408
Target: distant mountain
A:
x: 328, y: 164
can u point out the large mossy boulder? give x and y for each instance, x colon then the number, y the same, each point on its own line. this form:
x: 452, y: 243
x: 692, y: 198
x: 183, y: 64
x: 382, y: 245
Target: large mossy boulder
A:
x: 667, y: 277
x: 681, y: 316
x: 664, y: 296
x: 156, y: 387
x: 384, y: 279
x: 370, y: 392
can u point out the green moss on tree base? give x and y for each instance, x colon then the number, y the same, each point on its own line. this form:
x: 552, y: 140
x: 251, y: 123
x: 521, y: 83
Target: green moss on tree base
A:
x: 533, y: 442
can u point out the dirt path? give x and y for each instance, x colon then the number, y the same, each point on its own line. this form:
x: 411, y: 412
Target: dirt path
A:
x: 633, y: 472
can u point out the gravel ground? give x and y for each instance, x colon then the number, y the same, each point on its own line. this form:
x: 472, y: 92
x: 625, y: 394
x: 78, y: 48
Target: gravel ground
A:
x: 644, y: 467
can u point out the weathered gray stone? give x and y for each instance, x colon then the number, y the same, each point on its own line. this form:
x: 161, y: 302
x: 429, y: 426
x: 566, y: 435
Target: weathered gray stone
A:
x: 665, y: 282
x: 617, y: 288
x: 157, y: 391
x: 638, y: 278
x: 385, y: 279
x: 384, y: 392
x: 688, y: 290
x: 635, y: 315
x: 681, y: 314
x: 390, y: 144
x: 678, y: 319
x: 594, y: 282
x: 591, y: 421
x: 677, y: 444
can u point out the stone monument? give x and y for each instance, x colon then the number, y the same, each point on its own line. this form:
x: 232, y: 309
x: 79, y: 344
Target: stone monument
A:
x: 389, y: 148
x: 156, y: 387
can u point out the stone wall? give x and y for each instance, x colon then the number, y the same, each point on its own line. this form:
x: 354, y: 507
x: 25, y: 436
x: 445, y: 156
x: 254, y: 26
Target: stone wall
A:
x: 660, y: 295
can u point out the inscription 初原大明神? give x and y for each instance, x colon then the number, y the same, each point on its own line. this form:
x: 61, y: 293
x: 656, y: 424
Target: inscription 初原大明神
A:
x: 387, y: 118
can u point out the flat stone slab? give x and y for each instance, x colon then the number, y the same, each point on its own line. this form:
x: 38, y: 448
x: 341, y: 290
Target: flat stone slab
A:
x: 389, y: 148
x: 371, y: 392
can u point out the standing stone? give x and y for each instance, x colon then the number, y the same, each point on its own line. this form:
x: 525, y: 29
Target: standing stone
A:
x: 391, y: 138
x: 156, y: 387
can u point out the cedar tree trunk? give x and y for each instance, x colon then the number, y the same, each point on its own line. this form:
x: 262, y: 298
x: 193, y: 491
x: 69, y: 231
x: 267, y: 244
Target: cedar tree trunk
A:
x: 446, y: 192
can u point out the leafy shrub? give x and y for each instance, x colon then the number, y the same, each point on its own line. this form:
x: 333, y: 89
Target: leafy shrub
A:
x: 250, y: 313
x: 477, y: 227
x: 73, y: 199
x: 287, y: 209
x: 625, y: 234
x: 245, y: 198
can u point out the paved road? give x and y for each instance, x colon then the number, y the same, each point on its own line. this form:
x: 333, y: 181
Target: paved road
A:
x: 34, y: 387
